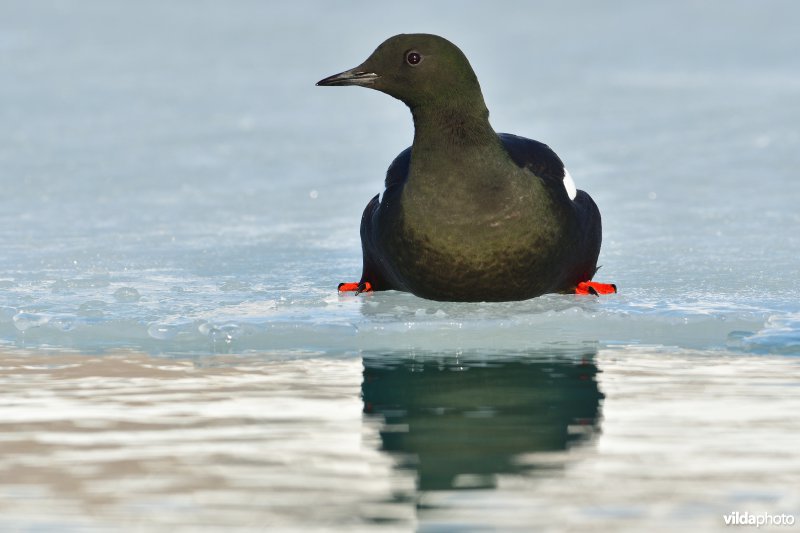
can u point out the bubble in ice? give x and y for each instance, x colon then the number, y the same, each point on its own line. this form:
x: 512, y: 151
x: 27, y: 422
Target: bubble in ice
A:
x: 126, y: 295
x: 220, y: 333
x: 162, y: 331
x: 25, y: 321
x: 234, y: 285
x: 65, y: 285
x: 62, y: 323
x: 92, y: 308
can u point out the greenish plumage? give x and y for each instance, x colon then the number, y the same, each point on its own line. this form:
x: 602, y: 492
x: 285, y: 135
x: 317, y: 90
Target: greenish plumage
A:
x: 468, y: 214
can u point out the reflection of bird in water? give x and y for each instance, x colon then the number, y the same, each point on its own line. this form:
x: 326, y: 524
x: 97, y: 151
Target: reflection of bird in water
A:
x: 461, y: 423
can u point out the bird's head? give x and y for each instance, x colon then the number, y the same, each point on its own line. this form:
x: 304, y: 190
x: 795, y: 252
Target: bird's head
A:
x: 417, y: 68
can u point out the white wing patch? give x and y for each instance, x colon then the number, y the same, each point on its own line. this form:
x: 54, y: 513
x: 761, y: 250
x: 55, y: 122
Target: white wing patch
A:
x: 569, y: 185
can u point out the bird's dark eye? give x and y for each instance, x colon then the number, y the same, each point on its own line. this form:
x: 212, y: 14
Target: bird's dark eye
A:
x: 413, y: 58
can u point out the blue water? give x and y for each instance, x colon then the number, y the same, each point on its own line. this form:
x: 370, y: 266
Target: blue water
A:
x: 174, y: 185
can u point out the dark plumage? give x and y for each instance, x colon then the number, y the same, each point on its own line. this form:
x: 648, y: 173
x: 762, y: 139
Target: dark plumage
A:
x: 467, y: 214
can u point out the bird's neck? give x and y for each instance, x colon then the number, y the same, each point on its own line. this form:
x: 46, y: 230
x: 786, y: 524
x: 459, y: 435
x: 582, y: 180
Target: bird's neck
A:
x: 454, y: 147
x: 452, y: 126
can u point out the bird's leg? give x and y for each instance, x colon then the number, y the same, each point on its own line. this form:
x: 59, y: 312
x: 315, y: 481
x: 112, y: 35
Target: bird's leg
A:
x: 357, y: 288
x: 594, y: 288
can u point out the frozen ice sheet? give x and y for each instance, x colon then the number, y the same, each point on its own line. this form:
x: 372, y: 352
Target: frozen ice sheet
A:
x: 193, y: 191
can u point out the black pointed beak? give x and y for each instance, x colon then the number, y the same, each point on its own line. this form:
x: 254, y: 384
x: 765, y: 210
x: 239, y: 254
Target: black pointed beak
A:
x: 354, y: 76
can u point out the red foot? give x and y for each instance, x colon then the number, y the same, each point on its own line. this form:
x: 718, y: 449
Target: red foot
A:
x: 358, y: 288
x: 594, y: 288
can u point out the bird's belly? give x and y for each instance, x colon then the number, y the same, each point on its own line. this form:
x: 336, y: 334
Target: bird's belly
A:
x: 483, y: 260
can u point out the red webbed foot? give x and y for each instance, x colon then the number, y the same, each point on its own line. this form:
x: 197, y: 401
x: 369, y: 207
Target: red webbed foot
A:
x: 357, y: 288
x: 594, y: 288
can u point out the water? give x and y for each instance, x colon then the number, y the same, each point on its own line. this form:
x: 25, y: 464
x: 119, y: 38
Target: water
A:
x: 616, y: 439
x: 179, y: 202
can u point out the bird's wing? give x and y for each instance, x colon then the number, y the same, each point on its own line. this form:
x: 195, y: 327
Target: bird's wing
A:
x: 536, y: 157
x: 398, y: 170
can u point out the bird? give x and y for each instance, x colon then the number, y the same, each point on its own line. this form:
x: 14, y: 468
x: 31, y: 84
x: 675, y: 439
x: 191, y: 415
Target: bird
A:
x: 467, y: 214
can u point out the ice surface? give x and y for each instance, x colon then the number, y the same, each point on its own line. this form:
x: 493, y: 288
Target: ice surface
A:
x: 173, y: 181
